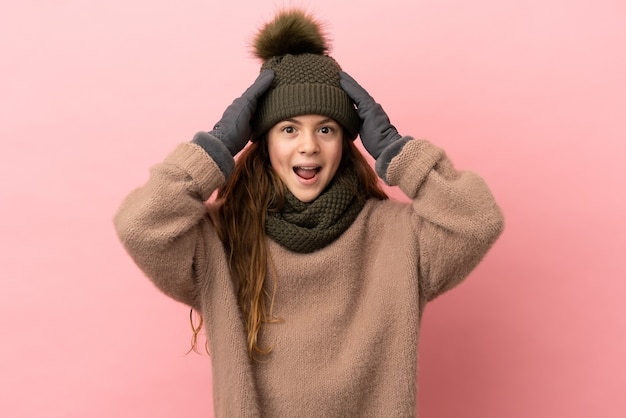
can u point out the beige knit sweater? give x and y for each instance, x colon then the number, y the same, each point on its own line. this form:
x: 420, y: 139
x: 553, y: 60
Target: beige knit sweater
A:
x: 347, y: 342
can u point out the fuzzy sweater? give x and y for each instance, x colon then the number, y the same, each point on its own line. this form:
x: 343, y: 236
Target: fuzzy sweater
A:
x: 346, y: 345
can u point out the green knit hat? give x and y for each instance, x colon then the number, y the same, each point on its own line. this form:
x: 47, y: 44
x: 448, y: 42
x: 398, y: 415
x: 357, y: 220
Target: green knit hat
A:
x: 306, y: 79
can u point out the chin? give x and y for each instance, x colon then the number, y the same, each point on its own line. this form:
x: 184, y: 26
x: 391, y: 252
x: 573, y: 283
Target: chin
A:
x: 306, y: 197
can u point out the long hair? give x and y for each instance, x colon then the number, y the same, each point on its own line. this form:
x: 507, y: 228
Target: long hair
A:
x: 252, y: 190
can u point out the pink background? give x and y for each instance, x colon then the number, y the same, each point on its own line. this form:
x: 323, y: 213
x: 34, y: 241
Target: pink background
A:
x: 531, y: 94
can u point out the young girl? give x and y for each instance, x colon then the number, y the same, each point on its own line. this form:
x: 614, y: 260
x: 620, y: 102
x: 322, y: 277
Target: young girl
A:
x: 309, y: 281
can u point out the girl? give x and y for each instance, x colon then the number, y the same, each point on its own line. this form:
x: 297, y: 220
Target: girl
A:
x: 309, y: 281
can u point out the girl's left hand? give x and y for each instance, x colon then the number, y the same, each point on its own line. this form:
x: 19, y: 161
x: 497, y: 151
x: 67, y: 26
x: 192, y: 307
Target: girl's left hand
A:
x: 376, y: 132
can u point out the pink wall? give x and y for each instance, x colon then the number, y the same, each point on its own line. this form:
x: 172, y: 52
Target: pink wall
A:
x: 529, y: 93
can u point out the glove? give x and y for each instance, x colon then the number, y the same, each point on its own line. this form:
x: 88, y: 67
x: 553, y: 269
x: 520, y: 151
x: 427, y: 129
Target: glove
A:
x: 234, y: 129
x: 376, y: 132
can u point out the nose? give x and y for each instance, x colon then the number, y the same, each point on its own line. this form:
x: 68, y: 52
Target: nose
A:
x: 308, y: 143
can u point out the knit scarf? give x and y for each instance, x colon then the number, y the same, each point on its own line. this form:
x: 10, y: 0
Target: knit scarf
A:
x: 307, y: 227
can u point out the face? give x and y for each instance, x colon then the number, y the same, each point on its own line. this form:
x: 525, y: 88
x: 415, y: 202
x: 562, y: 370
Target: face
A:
x: 305, y: 152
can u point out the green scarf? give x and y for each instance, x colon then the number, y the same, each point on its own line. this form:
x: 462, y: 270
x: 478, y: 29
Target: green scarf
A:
x: 307, y: 227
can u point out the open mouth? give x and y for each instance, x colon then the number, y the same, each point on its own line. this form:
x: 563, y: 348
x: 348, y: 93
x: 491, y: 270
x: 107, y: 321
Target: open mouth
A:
x: 306, y: 173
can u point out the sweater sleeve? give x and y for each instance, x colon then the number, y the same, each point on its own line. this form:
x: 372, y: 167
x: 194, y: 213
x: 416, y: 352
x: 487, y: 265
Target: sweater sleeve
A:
x: 163, y: 224
x: 458, y: 219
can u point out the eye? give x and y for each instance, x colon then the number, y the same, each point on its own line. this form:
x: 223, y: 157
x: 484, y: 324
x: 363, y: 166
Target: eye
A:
x: 288, y: 129
x: 327, y: 129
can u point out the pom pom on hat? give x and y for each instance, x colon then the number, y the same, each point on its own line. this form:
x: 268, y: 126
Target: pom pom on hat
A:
x: 291, y: 32
x: 306, y: 80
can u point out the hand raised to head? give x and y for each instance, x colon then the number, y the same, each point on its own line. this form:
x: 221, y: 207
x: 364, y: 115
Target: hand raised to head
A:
x: 376, y: 131
x: 234, y: 128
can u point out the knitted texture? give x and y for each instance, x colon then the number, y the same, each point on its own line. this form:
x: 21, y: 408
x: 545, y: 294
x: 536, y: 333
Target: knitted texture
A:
x: 304, y: 84
x: 305, y: 227
x: 306, y: 79
x: 346, y: 343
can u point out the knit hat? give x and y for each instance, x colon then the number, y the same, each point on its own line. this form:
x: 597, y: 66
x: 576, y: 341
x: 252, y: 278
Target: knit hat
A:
x: 306, y: 79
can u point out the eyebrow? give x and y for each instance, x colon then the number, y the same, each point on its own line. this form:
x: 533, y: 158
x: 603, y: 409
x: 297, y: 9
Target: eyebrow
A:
x: 296, y: 122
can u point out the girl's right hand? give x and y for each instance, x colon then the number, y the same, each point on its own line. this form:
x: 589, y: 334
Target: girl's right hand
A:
x: 234, y: 128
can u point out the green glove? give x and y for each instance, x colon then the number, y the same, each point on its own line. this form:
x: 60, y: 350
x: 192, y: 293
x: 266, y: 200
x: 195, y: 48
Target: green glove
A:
x: 234, y: 129
x: 376, y: 132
